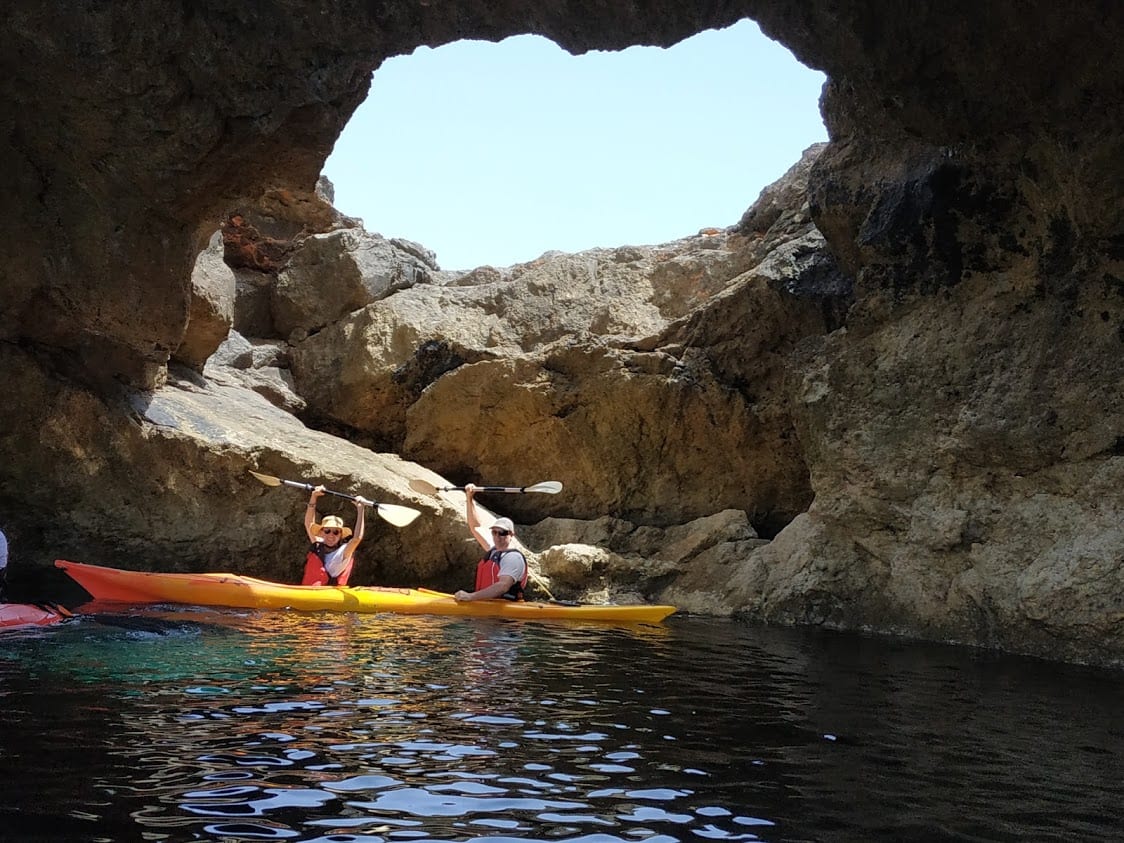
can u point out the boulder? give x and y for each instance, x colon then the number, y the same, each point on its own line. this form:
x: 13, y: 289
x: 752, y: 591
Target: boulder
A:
x: 333, y: 274
x: 212, y: 307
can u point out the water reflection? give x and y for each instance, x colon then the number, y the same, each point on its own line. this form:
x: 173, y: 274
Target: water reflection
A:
x: 260, y: 726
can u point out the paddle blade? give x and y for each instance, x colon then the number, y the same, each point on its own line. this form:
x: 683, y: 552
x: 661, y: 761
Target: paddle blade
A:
x: 399, y: 516
x: 266, y: 479
x: 548, y: 487
x: 423, y: 488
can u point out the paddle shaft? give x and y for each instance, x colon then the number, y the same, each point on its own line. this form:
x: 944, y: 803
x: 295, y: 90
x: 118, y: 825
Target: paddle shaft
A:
x: 549, y: 487
x: 506, y: 489
x: 399, y: 516
x: 308, y: 487
x: 541, y: 583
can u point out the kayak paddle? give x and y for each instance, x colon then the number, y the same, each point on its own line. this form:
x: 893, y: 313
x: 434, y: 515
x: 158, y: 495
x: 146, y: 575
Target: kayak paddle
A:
x: 548, y: 487
x: 55, y: 609
x: 399, y: 516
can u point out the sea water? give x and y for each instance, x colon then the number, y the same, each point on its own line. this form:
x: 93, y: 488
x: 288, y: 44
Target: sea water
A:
x: 226, y: 725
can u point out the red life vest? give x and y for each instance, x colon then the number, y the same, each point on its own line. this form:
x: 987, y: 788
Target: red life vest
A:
x: 488, y: 573
x: 316, y: 574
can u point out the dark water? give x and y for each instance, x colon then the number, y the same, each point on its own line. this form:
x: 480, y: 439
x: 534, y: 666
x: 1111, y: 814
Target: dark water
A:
x: 245, y: 726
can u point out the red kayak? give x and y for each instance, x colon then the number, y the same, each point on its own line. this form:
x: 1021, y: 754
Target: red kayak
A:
x: 14, y: 615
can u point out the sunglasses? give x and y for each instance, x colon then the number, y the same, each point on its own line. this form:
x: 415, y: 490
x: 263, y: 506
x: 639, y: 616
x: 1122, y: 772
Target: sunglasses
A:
x: 501, y: 532
x: 331, y: 531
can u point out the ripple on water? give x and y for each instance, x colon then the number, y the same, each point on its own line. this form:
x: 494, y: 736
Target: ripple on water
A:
x: 280, y: 726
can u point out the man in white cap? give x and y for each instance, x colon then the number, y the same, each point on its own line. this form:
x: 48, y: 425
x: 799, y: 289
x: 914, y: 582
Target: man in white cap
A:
x: 503, y: 570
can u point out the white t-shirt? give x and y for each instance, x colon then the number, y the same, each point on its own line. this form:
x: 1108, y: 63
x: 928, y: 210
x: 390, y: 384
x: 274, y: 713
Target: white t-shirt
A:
x: 335, y: 561
x: 512, y: 564
x: 3, y: 551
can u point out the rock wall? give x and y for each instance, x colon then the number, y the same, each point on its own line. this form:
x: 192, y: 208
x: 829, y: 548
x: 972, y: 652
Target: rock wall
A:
x: 915, y: 387
x: 964, y: 431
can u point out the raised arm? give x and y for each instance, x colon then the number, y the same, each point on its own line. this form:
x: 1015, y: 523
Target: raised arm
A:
x: 310, y: 512
x: 361, y: 504
x: 471, y: 517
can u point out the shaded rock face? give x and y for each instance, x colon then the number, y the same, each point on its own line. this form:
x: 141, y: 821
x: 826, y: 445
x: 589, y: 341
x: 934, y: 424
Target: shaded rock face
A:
x: 963, y: 433
x: 135, y: 128
x: 942, y: 457
x: 213, y: 287
x: 161, y: 481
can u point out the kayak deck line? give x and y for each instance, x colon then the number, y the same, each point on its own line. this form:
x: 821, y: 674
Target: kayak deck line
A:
x: 237, y: 591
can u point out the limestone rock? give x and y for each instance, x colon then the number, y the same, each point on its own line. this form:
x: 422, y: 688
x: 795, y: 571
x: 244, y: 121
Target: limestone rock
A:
x: 261, y: 366
x: 262, y: 235
x: 591, y: 574
x: 414, y: 371
x: 583, y: 558
x: 334, y: 274
x: 626, y: 433
x: 253, y: 303
x: 384, y: 356
x: 212, y: 307
x: 782, y: 207
x: 573, y: 565
x: 194, y: 505
x: 236, y: 352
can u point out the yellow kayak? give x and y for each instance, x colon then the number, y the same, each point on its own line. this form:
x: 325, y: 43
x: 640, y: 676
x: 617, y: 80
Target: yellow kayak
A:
x: 114, y: 584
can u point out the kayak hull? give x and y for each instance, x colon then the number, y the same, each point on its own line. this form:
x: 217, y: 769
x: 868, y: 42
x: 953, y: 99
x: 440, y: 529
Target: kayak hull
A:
x: 116, y: 585
x: 15, y: 615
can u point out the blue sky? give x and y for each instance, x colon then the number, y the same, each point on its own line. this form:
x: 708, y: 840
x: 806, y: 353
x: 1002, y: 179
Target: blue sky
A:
x: 495, y: 153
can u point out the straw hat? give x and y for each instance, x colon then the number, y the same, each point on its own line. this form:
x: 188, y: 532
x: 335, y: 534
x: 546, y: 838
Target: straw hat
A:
x: 332, y: 521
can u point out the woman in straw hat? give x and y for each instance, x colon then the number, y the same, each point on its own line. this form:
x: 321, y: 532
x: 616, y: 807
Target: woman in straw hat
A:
x: 332, y: 552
